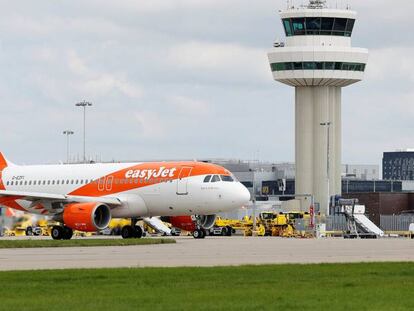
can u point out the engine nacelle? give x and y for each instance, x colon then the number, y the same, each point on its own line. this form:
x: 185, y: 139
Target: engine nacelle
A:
x: 88, y: 217
x: 207, y: 221
x: 189, y: 223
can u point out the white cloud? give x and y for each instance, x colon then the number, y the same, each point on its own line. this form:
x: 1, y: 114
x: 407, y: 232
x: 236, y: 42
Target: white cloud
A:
x: 77, y: 65
x: 151, y: 125
x: 221, y: 58
x: 391, y: 63
x: 190, y: 106
x: 107, y: 83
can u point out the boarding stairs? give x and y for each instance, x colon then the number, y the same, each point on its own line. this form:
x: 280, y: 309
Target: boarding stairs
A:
x: 358, y: 224
x: 157, y: 224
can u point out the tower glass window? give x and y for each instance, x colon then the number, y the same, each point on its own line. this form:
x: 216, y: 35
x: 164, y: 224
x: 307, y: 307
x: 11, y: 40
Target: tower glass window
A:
x: 315, y: 26
x: 318, y: 66
x: 298, y: 25
x: 349, y: 27
x: 288, y: 27
x: 327, y: 25
x: 339, y: 27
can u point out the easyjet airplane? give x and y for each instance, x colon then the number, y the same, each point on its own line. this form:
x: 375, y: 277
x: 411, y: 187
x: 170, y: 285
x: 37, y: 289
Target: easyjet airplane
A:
x: 86, y: 196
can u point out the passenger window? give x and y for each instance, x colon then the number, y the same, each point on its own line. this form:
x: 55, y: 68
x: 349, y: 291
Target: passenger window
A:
x: 48, y: 182
x: 215, y: 178
x: 7, y: 183
x: 30, y: 182
x: 44, y: 182
x: 207, y: 178
x: 11, y: 183
x: 57, y: 182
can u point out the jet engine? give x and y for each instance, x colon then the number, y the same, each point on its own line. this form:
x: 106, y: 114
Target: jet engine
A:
x: 88, y: 217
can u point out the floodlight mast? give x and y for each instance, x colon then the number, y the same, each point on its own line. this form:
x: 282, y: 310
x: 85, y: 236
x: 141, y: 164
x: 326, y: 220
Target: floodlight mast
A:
x: 84, y: 104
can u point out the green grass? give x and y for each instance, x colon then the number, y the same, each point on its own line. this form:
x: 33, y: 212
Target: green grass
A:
x: 360, y: 287
x: 84, y: 242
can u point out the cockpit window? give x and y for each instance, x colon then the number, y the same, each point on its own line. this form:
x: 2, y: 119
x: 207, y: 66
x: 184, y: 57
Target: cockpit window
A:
x: 227, y: 178
x: 215, y: 178
x: 207, y: 178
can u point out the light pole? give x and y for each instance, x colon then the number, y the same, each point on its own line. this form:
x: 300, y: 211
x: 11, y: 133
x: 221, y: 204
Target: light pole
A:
x: 328, y: 126
x: 84, y: 104
x: 67, y: 133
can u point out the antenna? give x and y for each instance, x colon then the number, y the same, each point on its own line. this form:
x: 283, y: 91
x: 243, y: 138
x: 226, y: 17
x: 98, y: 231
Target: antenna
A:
x: 317, y: 4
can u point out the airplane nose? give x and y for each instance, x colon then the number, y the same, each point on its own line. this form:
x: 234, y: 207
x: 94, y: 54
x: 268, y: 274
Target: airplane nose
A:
x: 244, y: 195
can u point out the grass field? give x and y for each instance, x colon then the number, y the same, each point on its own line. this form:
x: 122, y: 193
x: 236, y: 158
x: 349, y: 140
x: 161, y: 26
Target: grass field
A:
x: 33, y: 243
x: 361, y: 287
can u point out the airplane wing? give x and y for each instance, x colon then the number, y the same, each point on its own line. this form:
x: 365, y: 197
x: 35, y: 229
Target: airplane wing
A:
x: 36, y: 196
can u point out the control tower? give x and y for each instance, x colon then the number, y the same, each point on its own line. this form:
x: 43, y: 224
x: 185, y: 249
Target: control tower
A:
x: 318, y: 60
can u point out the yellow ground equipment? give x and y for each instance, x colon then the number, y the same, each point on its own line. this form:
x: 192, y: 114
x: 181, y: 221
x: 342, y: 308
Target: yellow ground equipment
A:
x: 268, y: 224
x: 116, y: 225
x: 23, y: 225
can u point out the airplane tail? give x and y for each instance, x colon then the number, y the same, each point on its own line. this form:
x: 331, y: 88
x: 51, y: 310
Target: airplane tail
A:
x: 4, y: 162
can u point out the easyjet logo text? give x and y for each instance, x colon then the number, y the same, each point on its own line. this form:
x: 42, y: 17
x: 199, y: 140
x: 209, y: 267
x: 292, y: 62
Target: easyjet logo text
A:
x: 162, y: 172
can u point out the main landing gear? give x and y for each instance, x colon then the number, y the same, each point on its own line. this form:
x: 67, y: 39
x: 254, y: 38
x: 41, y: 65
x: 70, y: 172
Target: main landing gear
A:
x: 61, y: 233
x: 132, y: 231
x: 199, y: 233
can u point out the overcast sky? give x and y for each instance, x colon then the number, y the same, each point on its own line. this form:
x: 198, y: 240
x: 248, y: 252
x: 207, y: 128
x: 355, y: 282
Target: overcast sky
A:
x: 180, y: 79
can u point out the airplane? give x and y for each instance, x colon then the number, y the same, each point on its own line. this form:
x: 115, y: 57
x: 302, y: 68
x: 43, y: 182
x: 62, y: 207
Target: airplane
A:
x: 86, y: 197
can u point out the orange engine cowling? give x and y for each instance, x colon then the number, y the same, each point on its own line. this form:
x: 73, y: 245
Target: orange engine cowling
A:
x: 87, y: 217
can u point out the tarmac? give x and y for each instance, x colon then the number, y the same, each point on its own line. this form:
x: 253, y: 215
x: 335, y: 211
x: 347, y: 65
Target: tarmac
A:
x: 210, y: 252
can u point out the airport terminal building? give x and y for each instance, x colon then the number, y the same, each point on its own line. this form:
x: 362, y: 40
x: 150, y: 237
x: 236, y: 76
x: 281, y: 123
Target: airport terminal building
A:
x: 398, y: 165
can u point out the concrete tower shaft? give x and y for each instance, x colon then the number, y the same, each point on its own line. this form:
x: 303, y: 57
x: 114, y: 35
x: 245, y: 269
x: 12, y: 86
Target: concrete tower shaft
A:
x: 318, y: 60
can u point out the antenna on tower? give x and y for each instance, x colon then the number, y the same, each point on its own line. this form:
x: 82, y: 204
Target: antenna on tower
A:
x: 317, y: 4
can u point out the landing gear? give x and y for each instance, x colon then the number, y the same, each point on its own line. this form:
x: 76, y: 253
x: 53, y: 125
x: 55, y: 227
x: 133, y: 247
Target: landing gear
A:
x: 129, y: 232
x: 199, y: 234
x: 138, y: 232
x: 67, y: 233
x: 57, y: 233
x: 29, y: 231
x: 61, y: 233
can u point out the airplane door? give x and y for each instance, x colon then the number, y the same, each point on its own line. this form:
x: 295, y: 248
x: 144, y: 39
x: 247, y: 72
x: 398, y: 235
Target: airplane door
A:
x: 182, y: 181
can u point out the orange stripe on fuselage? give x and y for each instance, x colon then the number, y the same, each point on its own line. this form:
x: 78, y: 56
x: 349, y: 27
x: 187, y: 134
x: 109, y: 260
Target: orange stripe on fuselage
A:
x: 166, y: 171
x: 11, y: 202
x: 3, y: 165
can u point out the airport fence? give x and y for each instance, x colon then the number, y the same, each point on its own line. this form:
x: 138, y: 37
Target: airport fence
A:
x: 336, y: 223
x: 396, y: 222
